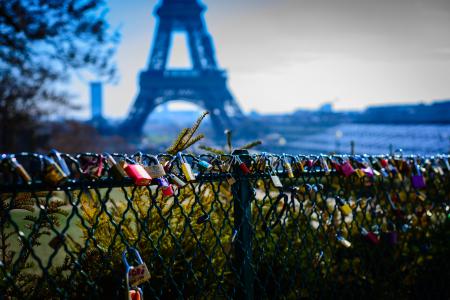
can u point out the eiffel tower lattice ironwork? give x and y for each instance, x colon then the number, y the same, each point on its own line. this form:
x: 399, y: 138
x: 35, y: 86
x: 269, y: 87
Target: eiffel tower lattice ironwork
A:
x: 204, y: 85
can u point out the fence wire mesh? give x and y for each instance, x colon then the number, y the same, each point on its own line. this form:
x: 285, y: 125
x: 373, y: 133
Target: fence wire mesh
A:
x: 247, y: 226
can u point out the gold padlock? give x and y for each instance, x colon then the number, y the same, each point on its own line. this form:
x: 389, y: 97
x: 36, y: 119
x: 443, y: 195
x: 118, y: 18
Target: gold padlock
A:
x: 360, y: 173
x: 53, y: 173
x: 154, y: 167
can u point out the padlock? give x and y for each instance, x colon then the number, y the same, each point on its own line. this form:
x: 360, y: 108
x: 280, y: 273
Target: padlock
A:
x: 392, y: 235
x: 376, y: 173
x: 360, y: 173
x: 135, y: 275
x: 226, y: 166
x: 186, y: 168
x: 137, y: 173
x: 245, y: 170
x: 421, y: 196
x: 343, y: 241
x: 370, y: 236
x: 17, y: 168
x: 347, y: 169
x: 117, y: 172
x: 288, y: 168
x: 300, y: 166
x: 343, y: 206
x: 177, y: 180
x: 135, y: 293
x: 417, y: 180
x: 384, y: 162
x: 154, y: 168
x: 60, y: 161
x: 230, y: 179
x: 166, y: 187
x: 92, y: 166
x: 447, y: 164
x: 204, y: 165
x: 368, y: 171
x: 52, y: 172
x: 324, y: 165
x: 276, y: 181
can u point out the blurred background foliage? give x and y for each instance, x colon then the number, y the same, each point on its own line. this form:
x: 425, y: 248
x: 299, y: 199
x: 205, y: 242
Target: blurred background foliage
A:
x: 42, y: 44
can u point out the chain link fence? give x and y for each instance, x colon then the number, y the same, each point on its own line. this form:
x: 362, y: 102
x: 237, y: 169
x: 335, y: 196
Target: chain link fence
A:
x: 231, y: 226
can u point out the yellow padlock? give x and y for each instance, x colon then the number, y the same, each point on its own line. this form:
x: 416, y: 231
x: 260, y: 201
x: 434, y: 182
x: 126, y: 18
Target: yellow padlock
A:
x: 360, y: 173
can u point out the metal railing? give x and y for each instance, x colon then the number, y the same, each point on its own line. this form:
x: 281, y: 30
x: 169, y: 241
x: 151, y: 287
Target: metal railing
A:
x: 234, y: 226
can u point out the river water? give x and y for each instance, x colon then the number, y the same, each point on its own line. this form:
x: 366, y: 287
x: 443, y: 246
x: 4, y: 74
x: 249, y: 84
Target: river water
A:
x: 368, y: 138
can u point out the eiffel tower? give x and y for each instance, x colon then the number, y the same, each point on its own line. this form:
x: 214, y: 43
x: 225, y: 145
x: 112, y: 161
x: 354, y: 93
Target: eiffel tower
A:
x: 204, y: 85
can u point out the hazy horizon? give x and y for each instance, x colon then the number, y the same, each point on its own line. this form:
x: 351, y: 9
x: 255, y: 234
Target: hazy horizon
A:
x: 301, y: 54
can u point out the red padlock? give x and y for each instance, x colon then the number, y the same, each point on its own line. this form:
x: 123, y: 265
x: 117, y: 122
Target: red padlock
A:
x: 137, y: 173
x: 370, y: 236
x: 242, y: 166
x: 166, y: 187
x: 384, y: 163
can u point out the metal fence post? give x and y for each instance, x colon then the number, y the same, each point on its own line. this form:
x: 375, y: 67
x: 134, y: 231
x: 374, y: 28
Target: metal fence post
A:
x: 242, y: 194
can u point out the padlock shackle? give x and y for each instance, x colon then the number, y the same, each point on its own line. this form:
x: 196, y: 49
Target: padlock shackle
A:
x: 135, y: 253
x: 151, y: 158
x: 180, y: 157
x: 59, y: 160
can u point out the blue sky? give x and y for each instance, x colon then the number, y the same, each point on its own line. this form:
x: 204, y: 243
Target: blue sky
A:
x: 286, y: 54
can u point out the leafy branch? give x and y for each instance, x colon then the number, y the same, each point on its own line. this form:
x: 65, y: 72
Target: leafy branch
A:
x: 186, y: 137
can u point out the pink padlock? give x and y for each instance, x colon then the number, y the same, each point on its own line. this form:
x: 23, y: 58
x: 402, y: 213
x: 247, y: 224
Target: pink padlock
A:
x: 347, y: 169
x: 368, y: 171
x: 137, y: 173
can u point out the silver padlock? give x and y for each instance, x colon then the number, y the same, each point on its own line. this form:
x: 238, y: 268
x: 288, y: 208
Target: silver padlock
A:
x: 154, y: 167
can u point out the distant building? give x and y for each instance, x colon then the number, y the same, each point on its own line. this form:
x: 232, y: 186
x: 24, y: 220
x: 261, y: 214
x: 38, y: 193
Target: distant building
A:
x: 437, y: 112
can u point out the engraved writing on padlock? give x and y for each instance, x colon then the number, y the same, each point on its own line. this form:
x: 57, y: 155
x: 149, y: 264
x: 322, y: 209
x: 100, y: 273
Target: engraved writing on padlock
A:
x: 135, y: 275
x: 138, y: 274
